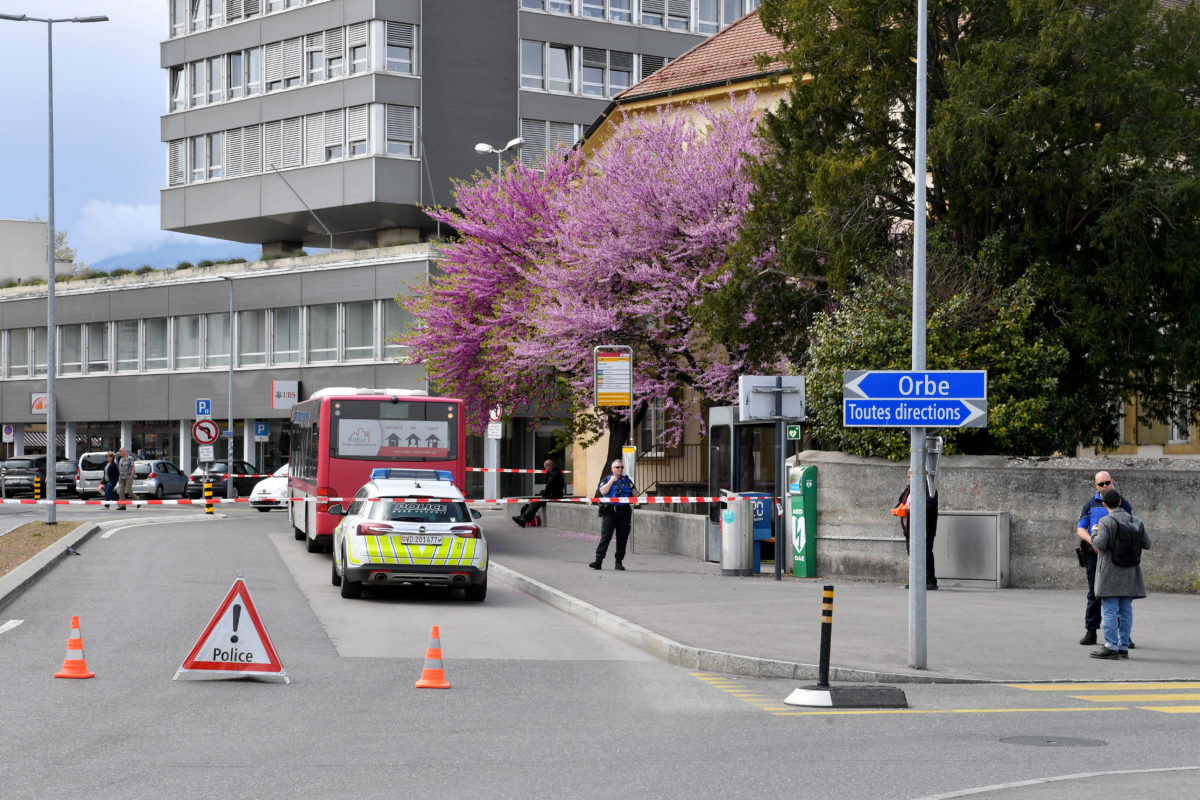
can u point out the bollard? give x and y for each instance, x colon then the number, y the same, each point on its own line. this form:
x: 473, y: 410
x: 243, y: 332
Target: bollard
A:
x: 208, y: 497
x: 37, y: 487
x: 826, y: 635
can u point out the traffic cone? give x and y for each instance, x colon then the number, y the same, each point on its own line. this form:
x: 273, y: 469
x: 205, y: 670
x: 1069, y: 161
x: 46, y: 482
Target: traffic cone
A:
x: 433, y: 676
x: 74, y: 667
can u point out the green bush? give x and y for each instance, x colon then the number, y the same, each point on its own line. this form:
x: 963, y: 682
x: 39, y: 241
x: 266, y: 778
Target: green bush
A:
x: 184, y: 265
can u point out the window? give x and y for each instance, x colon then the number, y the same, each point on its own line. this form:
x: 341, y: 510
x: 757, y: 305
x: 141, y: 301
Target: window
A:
x: 216, y: 339
x: 358, y: 58
x: 360, y: 330
x: 652, y: 12
x: 178, y: 96
x: 650, y: 432
x: 620, y: 10
x: 179, y: 12
x: 216, y: 79
x: 679, y: 14
x: 322, y: 333
x: 127, y: 345
x: 591, y: 75
x: 593, y: 8
x: 273, y: 66
x: 197, y: 15
x: 356, y: 130
x: 215, y: 9
x: 396, y: 320
x: 732, y: 9
x: 401, y: 40
x: 531, y: 65
x: 335, y: 39
x: 558, y: 68
x: 540, y: 5
x: 314, y: 57
x: 543, y: 138
x: 285, y: 335
x: 70, y: 348
x: 253, y: 70
x: 401, y: 130
x: 293, y: 62
x: 560, y: 6
x: 156, y: 343
x: 651, y: 64
x: 97, y: 347
x: 252, y: 338
x: 198, y: 162
x: 707, y: 19
x: 39, y: 351
x: 18, y: 352
x: 187, y: 342
x: 215, y: 153
x: 620, y: 71
x: 196, y: 82
x: 237, y: 75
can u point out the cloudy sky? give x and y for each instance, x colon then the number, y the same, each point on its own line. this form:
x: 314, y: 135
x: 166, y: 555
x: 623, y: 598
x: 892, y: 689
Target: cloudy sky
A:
x: 109, y: 92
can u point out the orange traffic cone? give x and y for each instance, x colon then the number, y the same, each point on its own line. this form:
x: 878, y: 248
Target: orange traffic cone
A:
x: 433, y: 676
x: 74, y: 667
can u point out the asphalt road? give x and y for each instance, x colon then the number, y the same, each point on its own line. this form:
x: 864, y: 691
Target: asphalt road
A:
x: 541, y: 705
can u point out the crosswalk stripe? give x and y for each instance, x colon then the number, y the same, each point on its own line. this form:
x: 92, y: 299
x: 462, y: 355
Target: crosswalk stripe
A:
x: 1102, y: 687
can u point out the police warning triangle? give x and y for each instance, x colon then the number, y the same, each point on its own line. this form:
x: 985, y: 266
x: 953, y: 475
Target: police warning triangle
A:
x: 235, y: 640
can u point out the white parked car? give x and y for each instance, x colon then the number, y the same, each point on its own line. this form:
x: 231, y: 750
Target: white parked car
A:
x: 411, y: 528
x: 271, y: 492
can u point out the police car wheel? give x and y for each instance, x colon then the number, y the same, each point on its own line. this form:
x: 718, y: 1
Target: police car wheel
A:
x: 334, y: 578
x: 476, y: 591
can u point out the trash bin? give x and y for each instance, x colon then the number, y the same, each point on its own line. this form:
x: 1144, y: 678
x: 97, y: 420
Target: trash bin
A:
x: 762, y: 515
x: 737, y: 539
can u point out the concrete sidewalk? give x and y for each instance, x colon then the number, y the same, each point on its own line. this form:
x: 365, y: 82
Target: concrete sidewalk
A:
x: 683, y: 611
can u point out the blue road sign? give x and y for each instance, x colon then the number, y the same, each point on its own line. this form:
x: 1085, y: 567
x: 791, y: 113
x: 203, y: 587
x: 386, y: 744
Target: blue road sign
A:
x: 203, y: 407
x: 916, y: 399
x: 260, y: 429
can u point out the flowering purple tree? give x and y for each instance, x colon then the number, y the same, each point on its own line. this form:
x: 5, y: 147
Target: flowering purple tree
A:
x: 617, y: 248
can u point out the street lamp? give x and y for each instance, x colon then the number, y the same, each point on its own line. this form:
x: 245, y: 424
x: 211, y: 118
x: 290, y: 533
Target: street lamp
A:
x: 229, y: 448
x: 51, y: 333
x: 513, y: 144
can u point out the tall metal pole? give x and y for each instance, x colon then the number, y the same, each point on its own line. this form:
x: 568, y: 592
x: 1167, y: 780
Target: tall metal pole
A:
x: 917, y: 489
x: 51, y: 333
x: 229, y: 450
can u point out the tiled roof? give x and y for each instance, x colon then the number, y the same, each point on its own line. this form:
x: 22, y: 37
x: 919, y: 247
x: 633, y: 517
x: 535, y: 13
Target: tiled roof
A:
x: 726, y: 57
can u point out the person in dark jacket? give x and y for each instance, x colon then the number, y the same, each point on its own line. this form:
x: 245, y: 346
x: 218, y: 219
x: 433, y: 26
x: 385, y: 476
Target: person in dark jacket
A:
x: 111, y: 474
x: 556, y: 487
x: 1117, y: 586
x: 617, y: 518
x: 931, y: 515
x: 1093, y: 511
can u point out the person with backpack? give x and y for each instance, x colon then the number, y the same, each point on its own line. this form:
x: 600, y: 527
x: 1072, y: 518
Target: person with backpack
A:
x: 1093, y: 511
x: 1119, y: 539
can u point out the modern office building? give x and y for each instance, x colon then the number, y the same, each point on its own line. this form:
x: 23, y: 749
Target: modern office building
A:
x: 319, y: 122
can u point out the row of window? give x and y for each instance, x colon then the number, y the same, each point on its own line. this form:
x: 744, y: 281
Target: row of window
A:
x: 304, y: 60
x: 696, y: 16
x: 188, y: 16
x: 297, y: 141
x: 542, y: 137
x: 581, y: 70
x: 296, y: 335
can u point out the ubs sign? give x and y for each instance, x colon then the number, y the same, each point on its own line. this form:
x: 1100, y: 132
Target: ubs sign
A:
x: 284, y: 394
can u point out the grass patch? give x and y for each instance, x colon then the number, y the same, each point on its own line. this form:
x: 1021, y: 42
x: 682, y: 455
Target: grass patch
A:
x: 23, y: 543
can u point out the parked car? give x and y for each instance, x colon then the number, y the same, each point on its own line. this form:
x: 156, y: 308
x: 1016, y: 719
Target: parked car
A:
x: 158, y: 479
x: 245, y: 477
x: 271, y: 492
x: 19, y: 472
x: 89, y: 475
x: 64, y: 478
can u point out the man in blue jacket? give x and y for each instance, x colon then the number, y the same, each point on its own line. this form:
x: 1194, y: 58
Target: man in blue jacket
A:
x: 614, y: 516
x: 1094, y: 511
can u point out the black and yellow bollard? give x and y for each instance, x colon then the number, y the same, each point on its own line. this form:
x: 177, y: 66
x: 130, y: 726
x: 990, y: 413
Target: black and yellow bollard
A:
x: 826, y: 636
x: 37, y: 487
x: 208, y: 497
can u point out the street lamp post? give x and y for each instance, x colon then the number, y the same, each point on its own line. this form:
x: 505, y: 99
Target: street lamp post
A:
x: 513, y: 144
x: 51, y: 333
x: 229, y: 449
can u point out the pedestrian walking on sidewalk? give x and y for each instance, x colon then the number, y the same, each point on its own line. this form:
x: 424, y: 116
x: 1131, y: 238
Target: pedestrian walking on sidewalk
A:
x: 931, y: 515
x: 1093, y: 511
x: 614, y: 517
x: 111, y: 474
x: 556, y: 487
x: 124, y: 477
x: 1118, y: 539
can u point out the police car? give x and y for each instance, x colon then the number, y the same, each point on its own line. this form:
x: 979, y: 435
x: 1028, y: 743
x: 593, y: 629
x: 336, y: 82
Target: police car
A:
x: 409, y: 526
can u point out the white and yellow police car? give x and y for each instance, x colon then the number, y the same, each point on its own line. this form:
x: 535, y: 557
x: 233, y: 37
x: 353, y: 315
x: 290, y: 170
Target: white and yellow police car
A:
x: 409, y: 526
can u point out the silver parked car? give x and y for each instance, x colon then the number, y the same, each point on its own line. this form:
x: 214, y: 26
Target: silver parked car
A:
x: 158, y: 479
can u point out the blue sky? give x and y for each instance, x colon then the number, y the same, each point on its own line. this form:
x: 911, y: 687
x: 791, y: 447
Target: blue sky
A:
x: 109, y: 92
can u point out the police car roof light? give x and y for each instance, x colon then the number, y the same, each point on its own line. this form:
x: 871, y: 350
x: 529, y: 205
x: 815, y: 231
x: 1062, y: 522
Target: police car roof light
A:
x: 389, y: 473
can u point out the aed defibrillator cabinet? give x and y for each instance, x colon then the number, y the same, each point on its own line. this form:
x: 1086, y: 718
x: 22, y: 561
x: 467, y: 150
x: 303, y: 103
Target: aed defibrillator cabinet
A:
x: 802, y: 519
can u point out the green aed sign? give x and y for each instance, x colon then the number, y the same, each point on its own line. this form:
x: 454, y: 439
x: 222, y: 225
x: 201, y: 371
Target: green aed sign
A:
x: 793, y: 433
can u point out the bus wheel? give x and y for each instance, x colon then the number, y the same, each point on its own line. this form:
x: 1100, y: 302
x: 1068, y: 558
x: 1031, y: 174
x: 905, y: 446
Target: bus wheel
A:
x: 313, y: 545
x: 299, y: 534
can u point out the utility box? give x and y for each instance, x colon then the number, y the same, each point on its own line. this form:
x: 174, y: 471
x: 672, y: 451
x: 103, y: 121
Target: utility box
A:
x: 802, y: 519
x: 971, y: 549
x: 737, y: 537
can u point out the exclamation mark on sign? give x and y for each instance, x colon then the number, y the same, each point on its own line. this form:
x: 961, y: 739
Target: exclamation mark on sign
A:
x: 237, y: 613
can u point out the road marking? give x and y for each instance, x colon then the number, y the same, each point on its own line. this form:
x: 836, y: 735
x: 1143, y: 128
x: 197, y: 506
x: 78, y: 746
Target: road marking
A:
x: 1127, y: 692
x: 8, y: 626
x: 1173, y: 709
x: 740, y: 691
x: 1134, y: 698
x: 136, y: 524
x: 945, y: 711
x: 1100, y: 687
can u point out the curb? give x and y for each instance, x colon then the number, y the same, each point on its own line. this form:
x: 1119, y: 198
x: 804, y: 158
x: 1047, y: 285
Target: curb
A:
x: 698, y: 658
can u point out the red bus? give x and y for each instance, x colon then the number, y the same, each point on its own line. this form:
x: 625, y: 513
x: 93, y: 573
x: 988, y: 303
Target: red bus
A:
x: 340, y: 434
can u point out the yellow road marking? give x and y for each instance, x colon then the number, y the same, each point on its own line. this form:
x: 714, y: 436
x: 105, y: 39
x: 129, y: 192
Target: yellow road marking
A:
x: 1099, y: 687
x: 944, y: 711
x: 1134, y: 698
x: 1173, y: 709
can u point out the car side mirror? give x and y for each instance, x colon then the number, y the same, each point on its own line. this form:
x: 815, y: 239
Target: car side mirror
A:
x: 337, y: 510
x: 475, y: 514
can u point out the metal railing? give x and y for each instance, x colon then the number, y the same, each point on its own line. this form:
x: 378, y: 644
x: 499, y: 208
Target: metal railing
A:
x: 683, y: 471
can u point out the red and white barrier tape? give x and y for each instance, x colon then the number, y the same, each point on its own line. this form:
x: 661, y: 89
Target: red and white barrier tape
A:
x: 523, y: 471
x: 200, y: 501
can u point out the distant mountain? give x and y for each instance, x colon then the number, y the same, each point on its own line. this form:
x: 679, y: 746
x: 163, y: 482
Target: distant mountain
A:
x: 168, y: 255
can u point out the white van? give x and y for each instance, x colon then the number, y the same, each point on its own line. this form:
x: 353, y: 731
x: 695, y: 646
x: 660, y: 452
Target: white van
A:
x: 89, y: 479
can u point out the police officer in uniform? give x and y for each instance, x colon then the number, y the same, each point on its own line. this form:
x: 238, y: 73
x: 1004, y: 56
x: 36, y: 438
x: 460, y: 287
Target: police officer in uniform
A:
x: 614, y: 516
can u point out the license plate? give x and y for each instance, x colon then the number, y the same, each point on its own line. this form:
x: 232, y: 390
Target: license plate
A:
x: 414, y: 539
